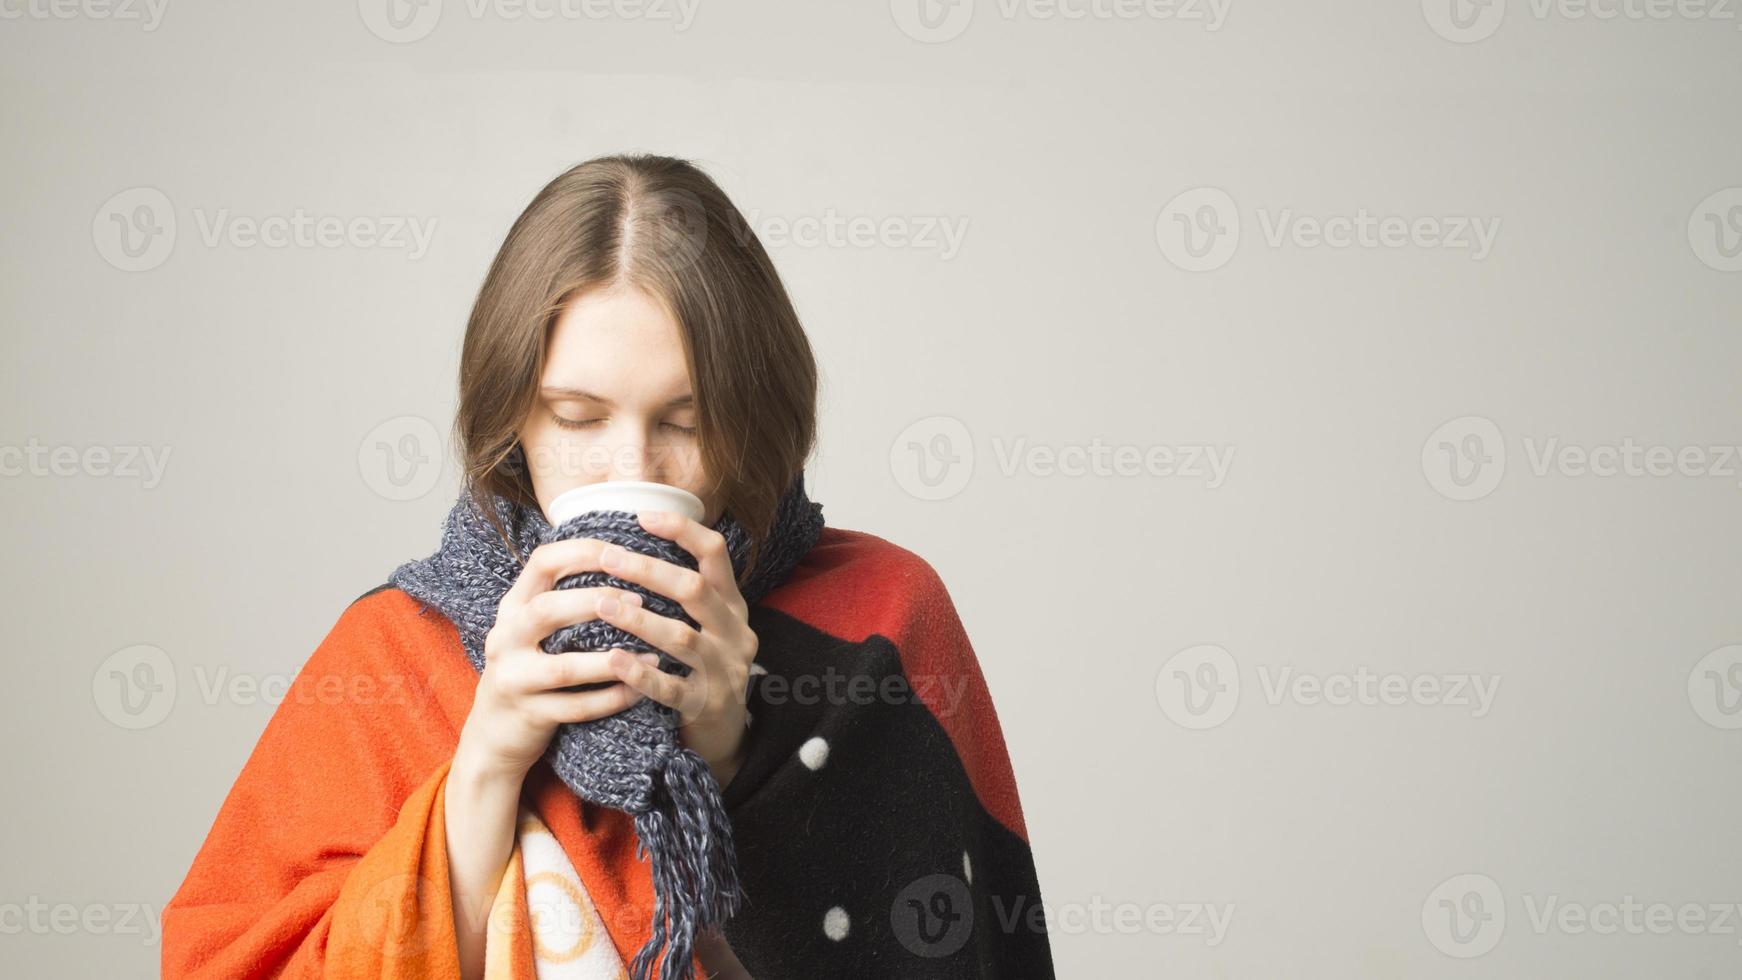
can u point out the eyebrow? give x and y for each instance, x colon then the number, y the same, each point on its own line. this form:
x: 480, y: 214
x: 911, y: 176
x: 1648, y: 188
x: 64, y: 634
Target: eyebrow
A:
x: 563, y: 391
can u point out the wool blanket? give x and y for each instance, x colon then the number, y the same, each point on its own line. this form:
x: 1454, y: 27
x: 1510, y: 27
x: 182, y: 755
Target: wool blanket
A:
x: 878, y: 828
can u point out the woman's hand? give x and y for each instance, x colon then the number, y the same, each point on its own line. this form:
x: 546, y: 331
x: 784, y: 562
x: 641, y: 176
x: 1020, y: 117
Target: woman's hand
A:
x: 710, y: 701
x: 515, y: 711
x: 518, y: 707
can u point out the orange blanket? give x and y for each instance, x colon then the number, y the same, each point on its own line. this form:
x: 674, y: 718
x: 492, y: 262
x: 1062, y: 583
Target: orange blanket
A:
x: 328, y: 857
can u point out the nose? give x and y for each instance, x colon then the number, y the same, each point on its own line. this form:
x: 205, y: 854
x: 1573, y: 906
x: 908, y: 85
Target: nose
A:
x: 633, y: 456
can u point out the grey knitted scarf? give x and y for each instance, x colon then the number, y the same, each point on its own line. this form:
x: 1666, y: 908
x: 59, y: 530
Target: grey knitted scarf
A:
x: 633, y: 760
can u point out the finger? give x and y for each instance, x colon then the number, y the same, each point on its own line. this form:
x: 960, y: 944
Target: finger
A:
x: 545, y: 672
x: 550, y: 562
x: 581, y: 706
x: 684, y: 586
x: 661, y: 632
x: 667, y: 689
x: 547, y: 612
x: 708, y: 545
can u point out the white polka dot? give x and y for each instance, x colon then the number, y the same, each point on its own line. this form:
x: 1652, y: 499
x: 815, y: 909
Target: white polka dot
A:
x: 967, y: 868
x: 835, y: 923
x: 814, y: 753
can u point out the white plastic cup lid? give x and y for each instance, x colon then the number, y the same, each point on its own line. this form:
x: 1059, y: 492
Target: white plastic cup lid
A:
x: 629, y: 495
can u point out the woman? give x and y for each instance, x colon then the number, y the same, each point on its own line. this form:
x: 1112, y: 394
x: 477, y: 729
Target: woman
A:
x: 799, y: 774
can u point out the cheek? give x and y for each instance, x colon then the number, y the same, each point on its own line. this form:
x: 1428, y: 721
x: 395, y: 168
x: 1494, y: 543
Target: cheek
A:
x: 556, y: 457
x: 683, y: 468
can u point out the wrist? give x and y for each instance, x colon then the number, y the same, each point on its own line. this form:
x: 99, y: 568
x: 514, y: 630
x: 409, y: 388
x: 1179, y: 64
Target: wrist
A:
x: 727, y: 755
x: 481, y: 773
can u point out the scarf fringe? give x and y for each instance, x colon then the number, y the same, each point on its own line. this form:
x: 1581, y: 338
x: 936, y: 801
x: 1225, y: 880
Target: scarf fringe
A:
x: 695, y: 866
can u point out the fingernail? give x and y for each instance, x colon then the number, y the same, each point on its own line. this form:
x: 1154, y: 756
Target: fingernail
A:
x: 609, y: 556
x: 632, y: 598
x: 650, y: 659
x: 608, y: 606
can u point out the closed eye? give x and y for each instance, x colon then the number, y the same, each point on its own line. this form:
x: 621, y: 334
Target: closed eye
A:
x: 568, y: 423
x: 574, y: 423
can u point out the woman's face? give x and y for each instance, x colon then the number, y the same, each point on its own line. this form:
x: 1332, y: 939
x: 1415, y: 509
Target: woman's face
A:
x: 615, y: 401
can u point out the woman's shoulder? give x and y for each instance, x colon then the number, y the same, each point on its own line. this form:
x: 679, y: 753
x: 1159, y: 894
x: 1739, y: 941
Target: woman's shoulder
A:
x: 392, y: 621
x: 852, y: 584
x: 856, y: 555
x: 384, y: 637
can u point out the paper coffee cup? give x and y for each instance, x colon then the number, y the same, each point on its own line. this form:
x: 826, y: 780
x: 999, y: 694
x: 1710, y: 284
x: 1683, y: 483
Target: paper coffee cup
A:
x: 629, y: 495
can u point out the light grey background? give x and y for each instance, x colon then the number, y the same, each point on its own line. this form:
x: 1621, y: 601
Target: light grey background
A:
x: 1605, y: 310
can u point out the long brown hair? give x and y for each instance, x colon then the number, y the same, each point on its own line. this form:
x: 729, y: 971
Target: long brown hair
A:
x: 661, y: 225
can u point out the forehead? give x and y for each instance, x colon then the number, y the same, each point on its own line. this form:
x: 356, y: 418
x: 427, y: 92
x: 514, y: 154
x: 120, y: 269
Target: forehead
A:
x: 615, y: 341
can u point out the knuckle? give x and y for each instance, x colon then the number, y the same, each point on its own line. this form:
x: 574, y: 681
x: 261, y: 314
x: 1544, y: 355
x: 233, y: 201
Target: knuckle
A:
x: 494, y: 642
x: 541, y: 558
x: 562, y: 670
x: 549, y: 603
x: 714, y: 543
x: 689, y: 588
